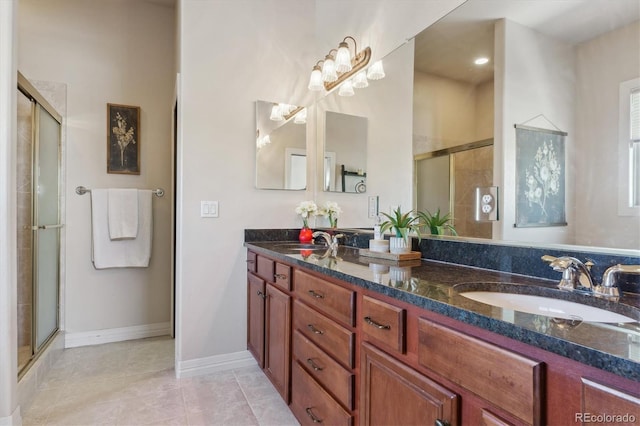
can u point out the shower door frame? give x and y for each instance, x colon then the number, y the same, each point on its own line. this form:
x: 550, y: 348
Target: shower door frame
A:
x: 37, y: 99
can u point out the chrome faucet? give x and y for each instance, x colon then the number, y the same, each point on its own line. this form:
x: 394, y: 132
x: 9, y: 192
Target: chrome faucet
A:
x: 330, y: 240
x: 609, y: 286
x: 573, y: 270
x: 575, y: 274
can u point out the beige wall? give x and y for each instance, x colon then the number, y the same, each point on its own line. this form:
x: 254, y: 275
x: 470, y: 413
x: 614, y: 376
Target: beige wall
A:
x: 597, y: 220
x: 108, y: 52
x: 217, y: 140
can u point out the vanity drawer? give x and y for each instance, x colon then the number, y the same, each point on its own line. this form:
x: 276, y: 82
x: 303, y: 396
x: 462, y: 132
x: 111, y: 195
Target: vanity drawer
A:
x: 330, y: 336
x: 265, y: 268
x: 282, y: 276
x: 338, y: 380
x: 333, y: 300
x: 383, y: 323
x: 504, y: 378
x: 311, y: 404
x: 251, y: 261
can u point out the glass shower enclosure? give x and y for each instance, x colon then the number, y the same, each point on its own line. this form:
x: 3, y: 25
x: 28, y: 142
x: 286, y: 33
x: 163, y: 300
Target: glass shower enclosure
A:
x: 38, y: 213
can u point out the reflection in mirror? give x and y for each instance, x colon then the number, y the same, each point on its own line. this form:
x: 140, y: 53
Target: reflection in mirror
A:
x: 281, y: 156
x: 552, y: 65
x: 345, y: 153
x: 446, y: 180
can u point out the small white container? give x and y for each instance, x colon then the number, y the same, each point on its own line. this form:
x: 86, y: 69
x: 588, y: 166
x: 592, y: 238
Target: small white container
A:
x: 400, y: 246
x: 381, y: 246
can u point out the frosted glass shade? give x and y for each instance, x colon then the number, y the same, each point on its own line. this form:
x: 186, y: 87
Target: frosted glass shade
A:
x: 346, y: 89
x: 360, y: 80
x: 343, y: 58
x: 376, y: 71
x: 329, y: 73
x: 276, y: 113
x: 315, y: 81
x: 301, y: 117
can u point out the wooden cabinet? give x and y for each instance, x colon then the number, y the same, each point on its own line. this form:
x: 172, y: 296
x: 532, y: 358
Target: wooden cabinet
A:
x: 383, y: 323
x: 269, y: 319
x: 394, y: 394
x: 501, y: 377
x: 603, y: 404
x: 256, y: 294
x: 277, y: 339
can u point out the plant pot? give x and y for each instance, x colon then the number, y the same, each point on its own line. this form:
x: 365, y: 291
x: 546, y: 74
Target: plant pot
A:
x: 306, y: 235
x: 399, y: 245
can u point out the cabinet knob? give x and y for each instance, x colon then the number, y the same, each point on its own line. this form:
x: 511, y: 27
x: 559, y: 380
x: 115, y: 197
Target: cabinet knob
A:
x: 313, y: 365
x: 313, y: 417
x: 281, y: 276
x: 251, y: 261
x: 440, y: 422
x: 261, y: 294
x: 316, y: 295
x: 369, y: 321
x: 315, y: 330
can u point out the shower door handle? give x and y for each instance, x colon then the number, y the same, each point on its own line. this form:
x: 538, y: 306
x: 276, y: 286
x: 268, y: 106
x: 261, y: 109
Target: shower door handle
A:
x: 35, y: 228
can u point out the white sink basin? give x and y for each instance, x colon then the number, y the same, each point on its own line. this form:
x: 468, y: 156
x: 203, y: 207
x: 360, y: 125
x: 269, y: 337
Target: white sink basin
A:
x: 546, y: 306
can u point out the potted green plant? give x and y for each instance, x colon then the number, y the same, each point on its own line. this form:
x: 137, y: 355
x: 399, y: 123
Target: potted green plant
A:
x: 435, y: 223
x: 402, y: 225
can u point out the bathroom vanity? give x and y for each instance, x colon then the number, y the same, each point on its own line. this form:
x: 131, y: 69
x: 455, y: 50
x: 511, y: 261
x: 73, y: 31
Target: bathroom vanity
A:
x: 356, y: 340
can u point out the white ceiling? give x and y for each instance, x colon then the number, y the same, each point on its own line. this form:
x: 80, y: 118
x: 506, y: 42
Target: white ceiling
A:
x: 448, y: 47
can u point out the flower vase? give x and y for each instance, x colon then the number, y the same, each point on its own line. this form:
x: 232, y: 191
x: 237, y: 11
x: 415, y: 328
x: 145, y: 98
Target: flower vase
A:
x: 306, y: 235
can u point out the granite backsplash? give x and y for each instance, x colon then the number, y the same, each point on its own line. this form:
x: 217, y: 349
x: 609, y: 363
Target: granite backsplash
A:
x: 515, y: 259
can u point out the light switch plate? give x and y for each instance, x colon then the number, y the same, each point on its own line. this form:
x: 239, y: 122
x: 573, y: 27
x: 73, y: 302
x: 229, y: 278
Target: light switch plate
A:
x: 487, y: 203
x: 208, y: 209
x: 373, y: 206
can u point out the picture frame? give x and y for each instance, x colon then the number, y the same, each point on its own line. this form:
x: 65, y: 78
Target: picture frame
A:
x: 123, y: 139
x: 540, y: 177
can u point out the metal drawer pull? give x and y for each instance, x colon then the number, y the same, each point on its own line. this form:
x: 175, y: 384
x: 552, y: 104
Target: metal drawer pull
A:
x: 441, y: 422
x: 316, y: 295
x: 313, y: 365
x: 315, y: 330
x: 251, y: 261
x: 310, y: 414
x: 261, y: 294
x: 281, y: 276
x: 369, y: 321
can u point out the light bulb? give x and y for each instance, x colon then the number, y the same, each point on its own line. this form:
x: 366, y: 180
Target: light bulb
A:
x: 315, y: 81
x: 276, y: 113
x: 343, y: 58
x: 301, y: 117
x: 329, y: 73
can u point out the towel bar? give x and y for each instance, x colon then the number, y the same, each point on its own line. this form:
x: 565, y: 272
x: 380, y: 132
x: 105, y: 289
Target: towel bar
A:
x: 81, y: 190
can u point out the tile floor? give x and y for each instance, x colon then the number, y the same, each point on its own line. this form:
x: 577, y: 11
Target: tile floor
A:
x: 133, y: 383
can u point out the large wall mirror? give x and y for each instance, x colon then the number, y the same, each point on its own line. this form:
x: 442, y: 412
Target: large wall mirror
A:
x: 556, y: 66
x: 281, y: 147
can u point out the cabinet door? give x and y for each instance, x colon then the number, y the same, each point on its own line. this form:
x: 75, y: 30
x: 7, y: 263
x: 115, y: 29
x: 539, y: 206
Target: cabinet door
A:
x: 394, y: 394
x: 278, y: 339
x: 255, y: 317
x: 606, y: 405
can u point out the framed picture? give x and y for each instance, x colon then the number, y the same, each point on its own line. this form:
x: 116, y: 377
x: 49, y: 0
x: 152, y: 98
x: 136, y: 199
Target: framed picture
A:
x: 123, y: 139
x: 540, y: 177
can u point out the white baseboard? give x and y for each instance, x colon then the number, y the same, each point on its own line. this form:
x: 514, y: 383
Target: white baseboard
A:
x: 13, y: 420
x: 212, y: 364
x: 98, y: 337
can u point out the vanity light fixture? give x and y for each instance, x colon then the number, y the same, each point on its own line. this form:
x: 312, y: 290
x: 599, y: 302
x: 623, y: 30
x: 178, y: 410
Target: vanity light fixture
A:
x: 301, y: 117
x: 283, y: 112
x: 337, y: 69
x: 346, y: 89
x: 376, y: 71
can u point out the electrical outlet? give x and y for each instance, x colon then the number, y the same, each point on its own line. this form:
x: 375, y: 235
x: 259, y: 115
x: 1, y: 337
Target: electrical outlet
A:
x: 373, y: 206
x: 487, y: 203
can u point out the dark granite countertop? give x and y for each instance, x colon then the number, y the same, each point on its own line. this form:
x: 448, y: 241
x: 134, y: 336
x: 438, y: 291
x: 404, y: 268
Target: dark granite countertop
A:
x: 438, y: 287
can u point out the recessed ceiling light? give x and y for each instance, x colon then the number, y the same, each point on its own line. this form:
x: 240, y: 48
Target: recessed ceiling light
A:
x: 481, y: 61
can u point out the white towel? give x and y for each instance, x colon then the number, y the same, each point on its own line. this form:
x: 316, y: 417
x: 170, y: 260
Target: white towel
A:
x: 123, y: 213
x: 107, y: 253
